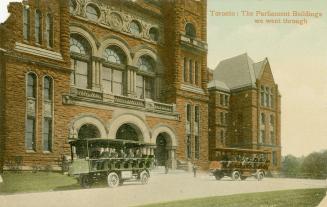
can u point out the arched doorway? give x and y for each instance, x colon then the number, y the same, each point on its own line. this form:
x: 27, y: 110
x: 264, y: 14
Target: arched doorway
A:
x: 88, y: 131
x: 129, y: 132
x: 161, y: 151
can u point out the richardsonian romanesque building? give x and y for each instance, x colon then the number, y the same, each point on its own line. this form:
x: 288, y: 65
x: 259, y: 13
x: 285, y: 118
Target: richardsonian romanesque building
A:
x: 126, y: 70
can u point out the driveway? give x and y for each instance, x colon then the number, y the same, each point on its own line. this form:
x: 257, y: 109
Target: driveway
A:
x: 161, y: 187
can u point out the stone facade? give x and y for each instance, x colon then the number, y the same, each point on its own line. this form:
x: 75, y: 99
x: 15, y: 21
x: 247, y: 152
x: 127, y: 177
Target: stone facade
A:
x: 56, y: 61
x: 245, y: 113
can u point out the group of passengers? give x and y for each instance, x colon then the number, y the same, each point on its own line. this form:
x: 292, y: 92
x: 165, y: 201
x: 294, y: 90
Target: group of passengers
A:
x: 120, y: 153
x: 243, y: 160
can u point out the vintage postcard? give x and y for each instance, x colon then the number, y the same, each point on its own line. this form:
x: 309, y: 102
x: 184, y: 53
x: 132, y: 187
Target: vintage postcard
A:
x: 163, y: 103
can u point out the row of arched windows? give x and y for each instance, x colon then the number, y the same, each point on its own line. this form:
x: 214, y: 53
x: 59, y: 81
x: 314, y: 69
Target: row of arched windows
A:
x: 113, y: 74
x: 39, y: 36
x: 31, y: 115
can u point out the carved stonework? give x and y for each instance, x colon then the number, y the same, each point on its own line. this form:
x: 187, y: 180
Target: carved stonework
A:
x: 118, y: 20
x: 115, y: 21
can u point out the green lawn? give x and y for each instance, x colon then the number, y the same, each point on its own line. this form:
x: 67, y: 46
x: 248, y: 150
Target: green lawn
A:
x: 288, y: 198
x: 36, y: 182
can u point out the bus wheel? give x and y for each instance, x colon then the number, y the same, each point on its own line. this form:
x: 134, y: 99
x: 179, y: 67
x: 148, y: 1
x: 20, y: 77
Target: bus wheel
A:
x: 260, y: 175
x: 113, y: 180
x: 144, y: 177
x: 235, y: 175
x: 85, y: 181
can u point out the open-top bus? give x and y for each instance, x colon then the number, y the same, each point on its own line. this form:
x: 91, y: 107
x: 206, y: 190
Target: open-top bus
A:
x: 112, y: 159
x: 239, y: 163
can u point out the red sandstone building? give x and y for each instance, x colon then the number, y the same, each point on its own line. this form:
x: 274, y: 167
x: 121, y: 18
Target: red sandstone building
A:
x: 125, y: 70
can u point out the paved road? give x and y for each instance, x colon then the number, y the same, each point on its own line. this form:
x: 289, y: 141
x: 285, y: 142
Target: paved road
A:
x: 161, y: 188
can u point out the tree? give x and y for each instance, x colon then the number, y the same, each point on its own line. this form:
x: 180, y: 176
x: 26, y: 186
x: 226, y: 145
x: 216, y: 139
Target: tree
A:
x: 291, y: 166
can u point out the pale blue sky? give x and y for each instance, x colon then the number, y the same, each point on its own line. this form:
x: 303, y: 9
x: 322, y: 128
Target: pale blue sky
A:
x: 297, y: 54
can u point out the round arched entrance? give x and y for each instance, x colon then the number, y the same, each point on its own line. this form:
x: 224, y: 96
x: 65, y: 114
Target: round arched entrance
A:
x: 161, y: 151
x: 129, y: 132
x: 88, y: 131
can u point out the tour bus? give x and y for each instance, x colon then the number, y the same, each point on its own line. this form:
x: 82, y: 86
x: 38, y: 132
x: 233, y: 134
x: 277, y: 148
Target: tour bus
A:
x: 239, y: 163
x: 116, y: 160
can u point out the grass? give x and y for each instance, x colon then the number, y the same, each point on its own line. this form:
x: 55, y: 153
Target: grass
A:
x: 36, y: 182
x: 287, y: 198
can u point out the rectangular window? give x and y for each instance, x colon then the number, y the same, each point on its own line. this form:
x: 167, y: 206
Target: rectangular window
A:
x: 222, y: 137
x: 30, y: 133
x: 188, y: 112
x: 221, y: 99
x: 222, y: 117
x: 117, y: 83
x: 38, y: 27
x: 225, y: 100
x: 196, y: 73
x: 189, y: 147
x: 197, y: 147
x: 267, y: 97
x: 47, y: 135
x: 26, y: 24
x: 47, y: 89
x: 148, y: 88
x: 106, y: 80
x: 139, y: 86
x: 81, y: 73
x: 197, y: 114
x: 49, y: 31
x: 262, y: 95
x: 262, y: 136
x: 185, y: 69
x: 31, y: 92
x: 191, y: 71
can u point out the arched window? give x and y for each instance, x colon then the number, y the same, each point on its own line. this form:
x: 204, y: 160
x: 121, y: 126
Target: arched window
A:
x: 190, y: 30
x: 145, y: 81
x: 49, y: 30
x: 115, y: 55
x: 31, y: 100
x: 80, y: 61
x: 154, y: 34
x: 92, y: 12
x: 47, y: 114
x: 135, y: 28
x: 26, y: 23
x: 38, y: 26
x: 113, y: 76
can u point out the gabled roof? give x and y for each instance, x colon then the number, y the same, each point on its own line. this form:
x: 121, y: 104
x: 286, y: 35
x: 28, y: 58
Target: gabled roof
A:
x: 239, y: 71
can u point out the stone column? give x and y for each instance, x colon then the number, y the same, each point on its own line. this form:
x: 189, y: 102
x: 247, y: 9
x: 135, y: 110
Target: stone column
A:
x: 96, y: 73
x: 131, y: 81
x: 172, y: 158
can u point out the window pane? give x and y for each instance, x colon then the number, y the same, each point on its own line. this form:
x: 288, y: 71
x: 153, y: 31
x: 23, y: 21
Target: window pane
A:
x: 146, y: 63
x: 189, y: 148
x: 38, y: 32
x: 191, y: 71
x: 31, y: 85
x: 185, y: 69
x: 47, y: 134
x: 30, y: 134
x: 139, y: 86
x: 117, y: 82
x: 135, y: 28
x: 106, y: 79
x: 148, y: 88
x: 197, y: 147
x: 26, y: 27
x: 49, y: 31
x: 81, y: 73
x: 188, y: 112
x: 47, y: 88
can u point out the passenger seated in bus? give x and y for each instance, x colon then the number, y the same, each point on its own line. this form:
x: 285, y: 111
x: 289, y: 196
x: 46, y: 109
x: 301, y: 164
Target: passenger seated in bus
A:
x: 105, y: 153
x: 130, y: 153
x: 113, y: 153
x: 121, y: 154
